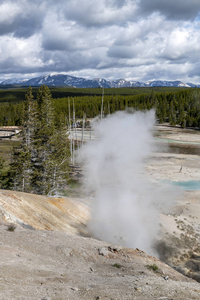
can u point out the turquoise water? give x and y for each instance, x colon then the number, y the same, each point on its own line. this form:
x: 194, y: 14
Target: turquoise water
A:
x: 191, y: 185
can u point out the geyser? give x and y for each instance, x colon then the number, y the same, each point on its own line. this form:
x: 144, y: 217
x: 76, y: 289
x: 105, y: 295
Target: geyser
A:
x: 125, y: 207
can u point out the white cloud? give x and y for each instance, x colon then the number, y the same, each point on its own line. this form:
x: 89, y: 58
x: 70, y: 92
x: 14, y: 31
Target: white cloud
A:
x: 21, y: 54
x: 182, y: 43
x: 110, y: 38
x: 8, y: 12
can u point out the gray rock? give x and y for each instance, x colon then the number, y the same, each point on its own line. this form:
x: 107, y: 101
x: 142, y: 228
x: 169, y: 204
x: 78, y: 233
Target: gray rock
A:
x: 103, y: 251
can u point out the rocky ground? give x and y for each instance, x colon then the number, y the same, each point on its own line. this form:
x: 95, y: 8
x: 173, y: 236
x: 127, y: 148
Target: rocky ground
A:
x: 46, y: 252
x: 59, y: 266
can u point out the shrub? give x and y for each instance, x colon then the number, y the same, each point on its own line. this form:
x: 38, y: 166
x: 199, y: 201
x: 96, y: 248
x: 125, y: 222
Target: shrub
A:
x: 152, y: 267
x: 118, y: 266
x: 11, y: 227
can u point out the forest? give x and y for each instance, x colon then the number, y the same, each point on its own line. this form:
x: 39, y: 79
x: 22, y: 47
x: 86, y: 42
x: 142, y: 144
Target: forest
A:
x: 173, y: 105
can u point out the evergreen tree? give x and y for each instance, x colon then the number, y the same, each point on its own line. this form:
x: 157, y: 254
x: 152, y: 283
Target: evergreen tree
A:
x: 57, y: 166
x: 40, y: 163
x: 43, y: 130
x: 182, y: 115
x: 5, y: 177
x: 22, y: 154
x: 172, y: 114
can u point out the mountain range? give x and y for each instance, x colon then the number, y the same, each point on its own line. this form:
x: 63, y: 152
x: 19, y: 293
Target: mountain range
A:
x: 79, y: 82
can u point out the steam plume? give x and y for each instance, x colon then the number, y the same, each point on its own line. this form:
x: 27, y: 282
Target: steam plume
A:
x: 124, y: 210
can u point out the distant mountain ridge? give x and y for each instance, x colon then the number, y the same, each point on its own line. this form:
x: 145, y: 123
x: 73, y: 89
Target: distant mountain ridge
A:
x: 79, y: 82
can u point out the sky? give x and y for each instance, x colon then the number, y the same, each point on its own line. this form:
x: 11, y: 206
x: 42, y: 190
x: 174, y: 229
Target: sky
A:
x: 132, y: 39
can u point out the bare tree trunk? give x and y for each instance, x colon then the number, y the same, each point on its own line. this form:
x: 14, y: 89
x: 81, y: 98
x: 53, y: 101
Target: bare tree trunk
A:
x: 102, y: 104
x: 70, y: 129
x: 83, y: 127
x: 73, y: 144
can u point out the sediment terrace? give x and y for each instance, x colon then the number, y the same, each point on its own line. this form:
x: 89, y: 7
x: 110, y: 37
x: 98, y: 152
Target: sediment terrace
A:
x: 43, y: 212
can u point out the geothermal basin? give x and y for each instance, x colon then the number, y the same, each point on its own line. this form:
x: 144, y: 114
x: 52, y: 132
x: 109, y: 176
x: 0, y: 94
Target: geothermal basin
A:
x: 178, y: 165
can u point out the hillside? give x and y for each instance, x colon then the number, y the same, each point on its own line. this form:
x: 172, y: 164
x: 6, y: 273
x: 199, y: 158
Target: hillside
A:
x: 44, y: 213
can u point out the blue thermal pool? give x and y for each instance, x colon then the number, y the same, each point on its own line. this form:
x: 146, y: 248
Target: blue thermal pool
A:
x: 191, y: 185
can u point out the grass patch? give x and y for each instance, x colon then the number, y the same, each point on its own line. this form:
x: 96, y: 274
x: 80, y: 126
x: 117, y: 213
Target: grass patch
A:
x: 74, y: 184
x: 118, y: 266
x: 73, y: 189
x: 6, y: 149
x: 153, y: 267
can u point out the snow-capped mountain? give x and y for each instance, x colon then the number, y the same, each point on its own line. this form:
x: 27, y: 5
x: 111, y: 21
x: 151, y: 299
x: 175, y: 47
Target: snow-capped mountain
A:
x: 167, y: 83
x: 102, y: 82
x: 193, y: 85
x: 13, y: 81
x: 126, y: 83
x: 118, y: 83
x: 62, y: 80
x: 79, y: 82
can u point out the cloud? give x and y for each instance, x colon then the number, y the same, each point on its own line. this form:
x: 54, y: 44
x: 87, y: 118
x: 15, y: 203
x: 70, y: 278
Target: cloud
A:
x: 22, y: 18
x: 182, y: 44
x: 8, y: 17
x: 100, y: 13
x: 135, y: 39
x: 22, y: 55
x: 140, y: 40
x: 176, y: 10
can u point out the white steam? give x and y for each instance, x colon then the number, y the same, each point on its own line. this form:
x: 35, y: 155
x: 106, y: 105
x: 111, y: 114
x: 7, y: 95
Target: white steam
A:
x: 125, y: 209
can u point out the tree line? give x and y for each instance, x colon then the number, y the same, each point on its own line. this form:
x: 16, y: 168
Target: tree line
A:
x: 175, y: 107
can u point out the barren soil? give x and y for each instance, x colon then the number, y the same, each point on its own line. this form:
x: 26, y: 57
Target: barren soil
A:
x: 58, y: 266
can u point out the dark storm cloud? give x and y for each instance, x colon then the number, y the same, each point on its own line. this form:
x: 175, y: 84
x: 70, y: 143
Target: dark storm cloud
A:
x: 123, y: 52
x: 99, y: 13
x: 172, y: 9
x: 63, y: 62
x: 7, y: 28
x: 28, y: 26
x: 22, y: 19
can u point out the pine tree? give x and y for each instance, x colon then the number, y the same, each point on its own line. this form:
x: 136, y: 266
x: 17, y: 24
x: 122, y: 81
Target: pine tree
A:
x: 57, y: 168
x: 182, y: 115
x: 22, y: 154
x: 43, y: 132
x: 28, y: 117
x: 172, y: 113
x: 40, y: 163
x: 5, y: 178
